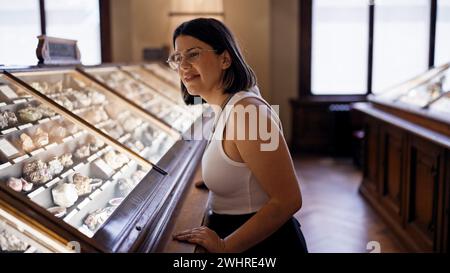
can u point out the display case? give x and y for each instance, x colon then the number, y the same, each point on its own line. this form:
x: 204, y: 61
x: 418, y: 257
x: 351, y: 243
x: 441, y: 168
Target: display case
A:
x: 406, y: 148
x: 427, y: 94
x: 121, y: 120
x: 175, y: 115
x: 164, y: 72
x: 90, y: 166
x: 19, y: 235
x: 166, y: 88
x: 165, y: 80
x: 168, y: 80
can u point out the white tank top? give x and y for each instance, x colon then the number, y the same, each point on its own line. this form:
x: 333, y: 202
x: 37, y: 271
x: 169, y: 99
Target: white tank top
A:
x: 233, y: 187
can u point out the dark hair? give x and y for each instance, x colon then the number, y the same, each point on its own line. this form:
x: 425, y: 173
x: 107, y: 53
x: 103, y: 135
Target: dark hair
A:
x: 239, y: 76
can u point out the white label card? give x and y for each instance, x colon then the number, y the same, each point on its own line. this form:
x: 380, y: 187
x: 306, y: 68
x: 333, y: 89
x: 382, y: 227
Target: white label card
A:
x: 21, y: 127
x: 8, y: 92
x: 7, y: 148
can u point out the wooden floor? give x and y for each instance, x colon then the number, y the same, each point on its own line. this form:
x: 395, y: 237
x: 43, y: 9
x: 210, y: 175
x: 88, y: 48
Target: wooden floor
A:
x: 334, y: 216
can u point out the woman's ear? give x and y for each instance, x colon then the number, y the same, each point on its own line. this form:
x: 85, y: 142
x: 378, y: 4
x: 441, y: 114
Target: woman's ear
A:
x: 226, y: 60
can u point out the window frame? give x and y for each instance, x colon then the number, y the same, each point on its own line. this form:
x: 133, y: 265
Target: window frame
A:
x: 305, y: 52
x: 105, y: 27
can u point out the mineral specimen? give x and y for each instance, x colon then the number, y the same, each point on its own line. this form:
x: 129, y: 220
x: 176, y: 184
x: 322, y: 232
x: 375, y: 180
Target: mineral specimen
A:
x: 65, y: 195
x: 82, y: 184
x: 58, y: 132
x: 15, y: 184
x: 46, y: 111
x: 55, y: 166
x: 96, y: 218
x: 10, y: 117
x: 30, y: 114
x: 82, y: 152
x: 27, y: 142
x: 10, y: 242
x: 36, y: 172
x: 66, y: 160
x: 41, y: 137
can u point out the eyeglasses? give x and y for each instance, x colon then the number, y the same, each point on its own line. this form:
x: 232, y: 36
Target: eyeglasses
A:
x: 190, y: 56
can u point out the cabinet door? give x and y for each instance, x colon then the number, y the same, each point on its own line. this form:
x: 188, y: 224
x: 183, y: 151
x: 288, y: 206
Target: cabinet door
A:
x: 370, y: 166
x: 445, y: 214
x: 425, y: 176
x: 392, y: 169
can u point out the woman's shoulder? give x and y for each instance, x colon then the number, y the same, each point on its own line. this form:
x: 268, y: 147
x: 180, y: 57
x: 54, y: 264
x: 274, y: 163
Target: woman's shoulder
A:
x: 248, y: 97
x: 247, y: 102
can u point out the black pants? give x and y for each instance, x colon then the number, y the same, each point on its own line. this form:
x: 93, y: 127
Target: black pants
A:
x: 287, y: 239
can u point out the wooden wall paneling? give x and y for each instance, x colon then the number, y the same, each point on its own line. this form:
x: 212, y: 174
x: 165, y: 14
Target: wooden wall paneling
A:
x: 312, y: 129
x: 391, y: 177
x: 423, y: 180
x: 442, y: 204
x: 370, y: 166
x: 444, y: 210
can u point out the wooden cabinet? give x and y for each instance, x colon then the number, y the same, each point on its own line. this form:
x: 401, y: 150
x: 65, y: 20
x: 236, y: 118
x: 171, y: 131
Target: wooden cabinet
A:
x: 445, y: 210
x: 311, y: 131
x: 422, y: 192
x: 323, y: 125
x: 392, y: 160
x: 406, y: 178
x: 370, y: 165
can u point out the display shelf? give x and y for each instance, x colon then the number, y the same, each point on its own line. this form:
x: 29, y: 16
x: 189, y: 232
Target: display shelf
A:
x: 140, y: 93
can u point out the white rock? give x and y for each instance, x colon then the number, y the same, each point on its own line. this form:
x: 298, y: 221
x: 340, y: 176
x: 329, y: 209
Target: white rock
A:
x: 65, y: 195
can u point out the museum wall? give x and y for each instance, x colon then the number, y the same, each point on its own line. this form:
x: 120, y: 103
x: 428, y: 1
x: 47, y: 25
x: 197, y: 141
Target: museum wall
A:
x: 269, y: 42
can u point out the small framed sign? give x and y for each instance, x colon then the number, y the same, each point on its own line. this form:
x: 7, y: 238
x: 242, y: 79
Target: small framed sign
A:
x: 57, y: 51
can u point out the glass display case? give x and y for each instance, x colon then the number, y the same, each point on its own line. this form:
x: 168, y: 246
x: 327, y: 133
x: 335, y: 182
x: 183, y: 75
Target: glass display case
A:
x: 146, y: 97
x: 17, y: 235
x: 428, y: 93
x: 164, y: 72
x: 122, y: 121
x: 164, y: 80
x: 63, y: 168
x: 88, y: 164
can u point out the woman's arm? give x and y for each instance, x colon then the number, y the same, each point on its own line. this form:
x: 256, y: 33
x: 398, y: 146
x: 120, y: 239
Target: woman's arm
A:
x: 275, y: 172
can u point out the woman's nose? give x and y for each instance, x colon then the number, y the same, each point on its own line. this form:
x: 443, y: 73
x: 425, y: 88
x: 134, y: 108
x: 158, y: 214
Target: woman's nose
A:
x: 184, y: 64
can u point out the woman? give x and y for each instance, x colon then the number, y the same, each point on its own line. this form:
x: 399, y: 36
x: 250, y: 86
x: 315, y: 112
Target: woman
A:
x: 254, y: 191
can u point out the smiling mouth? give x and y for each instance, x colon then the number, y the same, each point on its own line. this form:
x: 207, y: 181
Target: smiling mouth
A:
x: 190, y: 78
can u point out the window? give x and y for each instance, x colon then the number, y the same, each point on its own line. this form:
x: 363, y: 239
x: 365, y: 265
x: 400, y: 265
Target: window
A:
x: 77, y: 20
x: 339, y: 47
x: 401, y: 39
x: 19, y: 27
x: 20, y: 24
x: 361, y: 46
x: 442, y: 51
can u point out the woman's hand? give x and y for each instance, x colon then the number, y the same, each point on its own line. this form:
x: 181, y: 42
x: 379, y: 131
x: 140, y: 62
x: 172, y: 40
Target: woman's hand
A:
x: 204, y: 237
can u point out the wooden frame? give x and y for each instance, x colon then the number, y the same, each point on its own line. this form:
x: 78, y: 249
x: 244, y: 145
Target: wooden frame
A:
x: 105, y: 30
x: 305, y: 46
